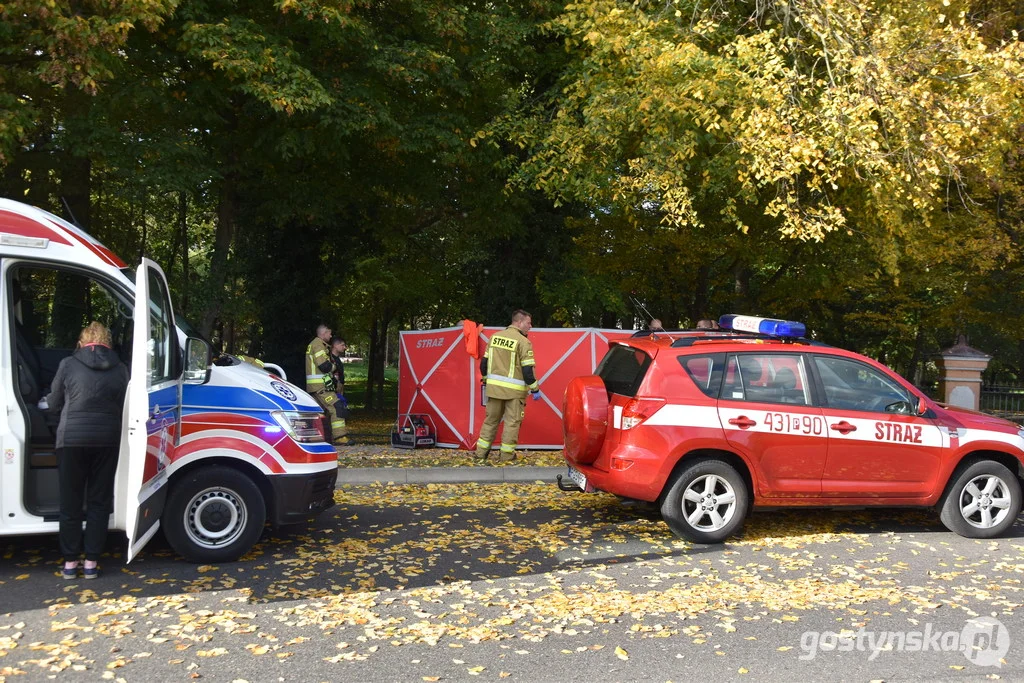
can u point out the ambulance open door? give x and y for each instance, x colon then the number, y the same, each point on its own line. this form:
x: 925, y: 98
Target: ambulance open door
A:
x: 153, y: 410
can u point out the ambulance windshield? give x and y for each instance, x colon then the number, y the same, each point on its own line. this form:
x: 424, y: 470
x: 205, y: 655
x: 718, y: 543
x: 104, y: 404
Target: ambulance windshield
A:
x: 189, y: 329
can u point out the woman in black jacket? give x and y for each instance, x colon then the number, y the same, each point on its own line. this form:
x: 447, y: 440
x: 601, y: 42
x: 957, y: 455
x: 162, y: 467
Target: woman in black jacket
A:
x: 90, y: 386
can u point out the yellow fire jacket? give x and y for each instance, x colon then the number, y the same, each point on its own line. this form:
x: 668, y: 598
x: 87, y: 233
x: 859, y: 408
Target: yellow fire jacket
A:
x: 318, y: 366
x: 508, y: 365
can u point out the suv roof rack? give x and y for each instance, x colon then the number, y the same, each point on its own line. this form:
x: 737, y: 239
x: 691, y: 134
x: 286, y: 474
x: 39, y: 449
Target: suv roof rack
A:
x: 664, y: 333
x: 725, y: 335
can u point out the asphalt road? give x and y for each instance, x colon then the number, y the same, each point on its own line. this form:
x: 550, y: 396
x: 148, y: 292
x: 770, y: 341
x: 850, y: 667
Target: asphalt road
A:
x: 523, y: 582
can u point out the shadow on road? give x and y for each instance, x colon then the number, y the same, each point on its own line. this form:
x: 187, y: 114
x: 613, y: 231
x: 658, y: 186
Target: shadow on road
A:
x: 362, y: 546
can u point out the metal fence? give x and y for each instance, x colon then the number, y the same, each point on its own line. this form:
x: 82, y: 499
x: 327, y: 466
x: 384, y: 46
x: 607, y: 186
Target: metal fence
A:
x: 1004, y: 400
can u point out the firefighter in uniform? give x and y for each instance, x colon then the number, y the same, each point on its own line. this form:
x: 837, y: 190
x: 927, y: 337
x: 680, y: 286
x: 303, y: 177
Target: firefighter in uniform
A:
x: 320, y: 383
x: 338, y: 347
x: 509, y: 373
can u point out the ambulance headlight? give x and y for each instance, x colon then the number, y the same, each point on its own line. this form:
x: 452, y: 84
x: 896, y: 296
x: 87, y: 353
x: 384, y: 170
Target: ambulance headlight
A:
x: 769, y: 326
x: 302, y: 427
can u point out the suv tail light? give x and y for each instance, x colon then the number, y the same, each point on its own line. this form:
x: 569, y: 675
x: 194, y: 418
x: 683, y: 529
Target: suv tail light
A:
x: 639, y: 409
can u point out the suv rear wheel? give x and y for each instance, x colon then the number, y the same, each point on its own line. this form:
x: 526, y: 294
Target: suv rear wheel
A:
x: 706, y: 502
x: 983, y: 501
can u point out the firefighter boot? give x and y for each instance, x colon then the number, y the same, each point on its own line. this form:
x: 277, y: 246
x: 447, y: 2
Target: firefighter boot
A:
x: 481, y: 455
x: 505, y: 457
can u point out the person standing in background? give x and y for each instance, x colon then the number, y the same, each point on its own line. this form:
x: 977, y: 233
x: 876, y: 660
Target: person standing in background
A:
x: 89, y: 389
x: 338, y: 348
x: 320, y: 382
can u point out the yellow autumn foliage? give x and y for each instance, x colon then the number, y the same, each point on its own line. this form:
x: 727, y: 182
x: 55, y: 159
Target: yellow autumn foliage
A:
x: 808, y: 116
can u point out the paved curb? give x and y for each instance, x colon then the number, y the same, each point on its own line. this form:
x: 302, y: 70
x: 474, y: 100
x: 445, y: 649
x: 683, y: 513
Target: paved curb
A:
x: 446, y: 475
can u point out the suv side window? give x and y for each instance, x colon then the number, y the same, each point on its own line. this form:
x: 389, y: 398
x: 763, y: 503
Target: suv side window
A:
x: 623, y: 369
x: 705, y: 371
x: 767, y: 378
x: 851, y: 385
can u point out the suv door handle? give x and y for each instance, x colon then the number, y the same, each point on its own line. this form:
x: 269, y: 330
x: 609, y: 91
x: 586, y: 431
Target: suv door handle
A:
x: 743, y: 422
x: 843, y: 427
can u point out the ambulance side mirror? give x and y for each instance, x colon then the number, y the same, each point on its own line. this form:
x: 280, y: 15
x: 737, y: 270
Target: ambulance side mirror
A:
x: 197, y: 361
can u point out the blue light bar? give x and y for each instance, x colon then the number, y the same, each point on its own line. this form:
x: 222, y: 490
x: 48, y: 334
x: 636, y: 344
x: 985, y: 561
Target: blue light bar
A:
x: 770, y: 326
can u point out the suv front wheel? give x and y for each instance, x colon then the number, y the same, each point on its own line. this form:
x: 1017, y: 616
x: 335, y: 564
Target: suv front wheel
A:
x: 983, y: 501
x: 706, y: 502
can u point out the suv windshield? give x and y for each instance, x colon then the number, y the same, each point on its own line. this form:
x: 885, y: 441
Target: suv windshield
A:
x: 623, y: 369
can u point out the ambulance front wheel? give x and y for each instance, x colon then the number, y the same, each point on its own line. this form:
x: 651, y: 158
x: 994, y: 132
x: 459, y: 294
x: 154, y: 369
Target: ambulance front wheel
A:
x: 214, y: 514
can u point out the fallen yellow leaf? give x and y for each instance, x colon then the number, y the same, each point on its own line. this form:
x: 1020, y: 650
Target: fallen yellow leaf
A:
x: 621, y: 654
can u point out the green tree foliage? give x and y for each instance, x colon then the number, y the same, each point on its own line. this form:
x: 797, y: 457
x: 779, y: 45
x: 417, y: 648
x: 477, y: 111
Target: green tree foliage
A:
x: 61, y: 44
x: 806, y: 115
x: 851, y: 164
x: 820, y: 158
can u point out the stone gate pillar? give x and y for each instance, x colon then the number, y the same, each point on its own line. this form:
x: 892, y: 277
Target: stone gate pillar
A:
x: 960, y: 368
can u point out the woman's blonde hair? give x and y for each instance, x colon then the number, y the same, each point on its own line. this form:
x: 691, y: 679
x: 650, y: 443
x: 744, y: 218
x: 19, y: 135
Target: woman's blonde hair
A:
x: 95, y: 333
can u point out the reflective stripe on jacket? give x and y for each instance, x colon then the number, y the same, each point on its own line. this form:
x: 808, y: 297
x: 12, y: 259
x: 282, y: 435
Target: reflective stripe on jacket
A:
x: 317, y: 354
x: 507, y: 353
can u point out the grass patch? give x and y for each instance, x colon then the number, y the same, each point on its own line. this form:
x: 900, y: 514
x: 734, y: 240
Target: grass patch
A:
x: 355, y: 386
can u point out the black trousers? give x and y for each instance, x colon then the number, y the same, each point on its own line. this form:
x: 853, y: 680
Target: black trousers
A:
x: 86, y: 477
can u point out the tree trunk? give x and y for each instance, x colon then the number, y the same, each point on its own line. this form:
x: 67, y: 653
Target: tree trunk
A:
x: 145, y: 237
x: 227, y: 212
x: 701, y: 299
x: 913, y: 371
x: 741, y: 287
x: 183, y: 230
x: 382, y: 361
x: 70, y: 298
x: 376, y: 360
x: 370, y: 359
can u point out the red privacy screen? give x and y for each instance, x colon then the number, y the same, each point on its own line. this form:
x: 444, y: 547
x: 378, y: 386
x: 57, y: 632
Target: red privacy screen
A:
x: 438, y: 376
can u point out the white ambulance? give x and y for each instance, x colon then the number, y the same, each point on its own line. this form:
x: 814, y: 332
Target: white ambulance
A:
x: 209, y: 452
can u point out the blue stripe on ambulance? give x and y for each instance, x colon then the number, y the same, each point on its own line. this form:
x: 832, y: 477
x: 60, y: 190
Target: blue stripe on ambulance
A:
x: 231, y: 399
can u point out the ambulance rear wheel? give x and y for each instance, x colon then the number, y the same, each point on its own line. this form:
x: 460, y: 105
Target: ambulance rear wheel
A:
x: 214, y: 514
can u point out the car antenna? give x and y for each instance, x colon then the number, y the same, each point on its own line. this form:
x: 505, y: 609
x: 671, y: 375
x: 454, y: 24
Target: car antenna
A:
x: 71, y: 214
x: 640, y: 310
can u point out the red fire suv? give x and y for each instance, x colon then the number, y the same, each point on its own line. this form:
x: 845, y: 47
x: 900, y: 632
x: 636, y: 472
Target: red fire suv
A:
x: 710, y: 423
